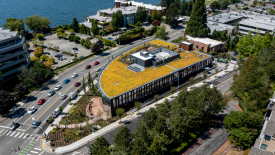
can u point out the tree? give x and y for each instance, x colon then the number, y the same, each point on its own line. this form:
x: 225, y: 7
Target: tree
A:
x: 141, y: 14
x: 20, y: 90
x: 123, y: 137
x: 77, y: 38
x: 14, y: 24
x: 142, y: 140
x: 43, y: 57
x: 71, y: 37
x: 183, y: 8
x: 215, y: 5
x: 119, y: 112
x: 39, y: 36
x: 138, y: 105
x: 100, y: 146
x: 27, y: 35
x: 37, y: 21
x: 171, y: 14
x: 161, y: 33
x: 117, y: 19
x: 130, y: 3
x: 98, y: 46
x: 75, y: 25
x: 6, y: 101
x: 90, y: 81
x: 237, y: 28
x: 83, y: 85
x: 197, y: 24
x: 38, y: 51
x: 94, y: 28
x: 156, y: 23
x: 156, y: 15
x: 166, y: 3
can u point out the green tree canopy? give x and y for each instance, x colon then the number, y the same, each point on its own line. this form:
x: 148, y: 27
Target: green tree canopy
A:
x: 171, y: 13
x: 14, y: 24
x: 156, y: 15
x: 37, y: 21
x: 94, y: 28
x: 117, y: 19
x: 75, y: 25
x: 100, y: 146
x: 141, y: 14
x: 197, y: 24
x: 161, y: 33
x: 123, y: 137
x: 215, y: 5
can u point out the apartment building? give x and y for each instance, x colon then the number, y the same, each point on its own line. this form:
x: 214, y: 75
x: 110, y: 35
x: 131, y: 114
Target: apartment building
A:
x: 13, y: 54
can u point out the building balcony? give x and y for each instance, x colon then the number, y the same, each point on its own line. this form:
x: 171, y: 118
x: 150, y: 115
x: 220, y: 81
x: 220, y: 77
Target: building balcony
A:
x: 12, y: 46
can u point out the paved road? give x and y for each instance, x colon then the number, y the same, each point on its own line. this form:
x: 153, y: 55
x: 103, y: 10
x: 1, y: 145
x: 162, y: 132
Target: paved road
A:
x: 25, y: 134
x: 211, y: 145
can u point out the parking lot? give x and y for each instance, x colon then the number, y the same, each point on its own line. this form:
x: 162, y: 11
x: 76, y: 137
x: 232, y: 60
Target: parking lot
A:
x: 64, y: 46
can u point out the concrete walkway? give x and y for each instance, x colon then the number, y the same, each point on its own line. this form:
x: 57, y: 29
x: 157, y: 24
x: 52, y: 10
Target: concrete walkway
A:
x: 134, y: 115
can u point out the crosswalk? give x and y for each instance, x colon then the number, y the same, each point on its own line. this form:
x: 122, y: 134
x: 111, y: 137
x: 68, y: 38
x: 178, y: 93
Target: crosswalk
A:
x: 18, y: 134
x: 31, y: 149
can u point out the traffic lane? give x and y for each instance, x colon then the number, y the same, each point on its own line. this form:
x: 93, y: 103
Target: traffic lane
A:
x: 8, y: 144
x: 223, y: 78
x: 225, y: 85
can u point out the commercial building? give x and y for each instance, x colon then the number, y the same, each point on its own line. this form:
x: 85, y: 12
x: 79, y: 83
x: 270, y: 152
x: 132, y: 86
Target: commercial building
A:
x: 133, y: 76
x: 226, y: 18
x: 229, y: 29
x: 206, y: 44
x: 265, y: 143
x: 13, y: 53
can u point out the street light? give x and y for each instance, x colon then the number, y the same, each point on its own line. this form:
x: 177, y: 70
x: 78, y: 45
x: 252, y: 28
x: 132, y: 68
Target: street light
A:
x: 33, y: 118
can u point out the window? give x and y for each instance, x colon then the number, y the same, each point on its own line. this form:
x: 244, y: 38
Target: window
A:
x: 266, y: 137
x: 197, y: 46
x: 263, y: 146
x: 202, y: 48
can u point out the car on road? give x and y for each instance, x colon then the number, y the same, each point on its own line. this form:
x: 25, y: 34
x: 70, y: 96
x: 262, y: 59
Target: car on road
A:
x: 41, y: 101
x: 55, y: 113
x: 66, y: 81
x: 96, y: 63
x: 74, y: 75
x: 14, y: 126
x: 75, y: 48
x: 77, y: 84
x: 126, y: 122
x: 36, y: 124
x: 32, y: 110
x: 69, y: 61
x: 57, y: 87
x: 63, y: 96
x: 51, y: 93
x: 98, y: 69
x: 81, y: 57
x: 88, y: 66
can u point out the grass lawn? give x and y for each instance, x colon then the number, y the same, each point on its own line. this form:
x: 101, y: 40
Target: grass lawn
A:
x: 183, y: 144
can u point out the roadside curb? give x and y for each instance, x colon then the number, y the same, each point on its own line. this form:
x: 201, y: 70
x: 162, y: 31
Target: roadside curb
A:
x: 220, y: 147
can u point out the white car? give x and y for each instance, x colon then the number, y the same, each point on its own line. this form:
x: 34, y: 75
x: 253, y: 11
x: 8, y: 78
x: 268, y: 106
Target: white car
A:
x: 74, y: 52
x: 74, y: 75
x: 69, y: 61
x: 98, y: 69
x: 57, y: 87
x: 32, y: 110
x: 64, y: 58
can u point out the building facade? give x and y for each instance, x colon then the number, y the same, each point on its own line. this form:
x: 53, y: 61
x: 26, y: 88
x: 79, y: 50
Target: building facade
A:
x: 13, y: 54
x: 206, y: 44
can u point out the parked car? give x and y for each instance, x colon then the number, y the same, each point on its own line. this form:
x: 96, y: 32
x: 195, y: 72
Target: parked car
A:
x: 81, y: 57
x: 126, y: 122
x: 88, y: 66
x: 74, y: 75
x: 48, y: 53
x: 51, y: 93
x: 57, y: 87
x: 77, y: 84
x: 55, y: 113
x: 44, y: 46
x: 58, y: 55
x: 66, y: 81
x: 63, y: 96
x: 41, y: 101
x: 74, y: 52
x: 72, y: 95
x: 235, y: 53
x: 14, y: 126
x: 32, y: 110
x: 98, y: 69
x: 114, y: 34
x: 96, y: 63
x: 36, y: 124
x: 75, y: 48
x: 56, y: 46
x: 69, y: 61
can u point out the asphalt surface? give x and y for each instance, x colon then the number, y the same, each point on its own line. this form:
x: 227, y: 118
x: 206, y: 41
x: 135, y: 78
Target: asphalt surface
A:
x: 207, y: 147
x: 22, y: 136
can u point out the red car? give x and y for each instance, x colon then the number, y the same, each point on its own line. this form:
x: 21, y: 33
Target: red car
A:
x: 77, y: 84
x: 41, y: 101
x: 88, y: 66
x: 96, y: 63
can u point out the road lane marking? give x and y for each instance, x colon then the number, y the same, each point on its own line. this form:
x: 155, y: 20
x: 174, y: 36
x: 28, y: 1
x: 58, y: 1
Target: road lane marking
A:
x: 41, y: 153
x: 37, y: 139
x: 33, y: 137
x: 17, y: 134
x: 225, y: 81
x: 29, y: 137
x: 38, y: 149
x: 21, y: 135
x: 20, y: 129
x: 8, y: 133
x: 5, y: 132
x: 25, y: 136
x: 12, y: 133
x: 28, y: 146
x: 34, y: 152
x: 1, y: 130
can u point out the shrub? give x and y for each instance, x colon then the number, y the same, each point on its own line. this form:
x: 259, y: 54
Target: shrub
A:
x: 38, y: 51
x: 71, y: 37
x: 39, y: 36
x: 77, y: 38
x: 156, y: 23
x: 156, y: 97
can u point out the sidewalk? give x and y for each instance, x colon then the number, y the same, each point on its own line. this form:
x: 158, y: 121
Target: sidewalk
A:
x: 116, y: 124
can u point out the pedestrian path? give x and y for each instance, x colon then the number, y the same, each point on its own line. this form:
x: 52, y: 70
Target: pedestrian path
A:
x: 31, y: 149
x: 18, y: 134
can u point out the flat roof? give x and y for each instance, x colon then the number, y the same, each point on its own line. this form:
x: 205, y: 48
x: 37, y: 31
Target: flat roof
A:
x: 147, y: 6
x: 270, y: 128
x: 256, y: 151
x: 185, y: 42
x: 259, y: 23
x: 218, y: 26
x: 125, y: 10
x: 101, y: 18
x: 6, y: 34
x: 206, y: 41
x: 117, y: 79
x: 137, y: 54
x: 225, y: 17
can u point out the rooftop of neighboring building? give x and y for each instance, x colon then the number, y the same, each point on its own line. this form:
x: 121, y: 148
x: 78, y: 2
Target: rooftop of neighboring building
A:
x: 148, y: 6
x: 270, y: 128
x: 266, y: 24
x: 6, y: 34
x: 125, y: 10
x: 218, y: 26
x: 117, y: 79
x: 225, y: 17
x: 206, y: 41
x: 256, y: 151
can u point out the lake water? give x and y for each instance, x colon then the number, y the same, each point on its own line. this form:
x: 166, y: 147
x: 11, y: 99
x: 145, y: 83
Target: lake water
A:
x: 58, y: 11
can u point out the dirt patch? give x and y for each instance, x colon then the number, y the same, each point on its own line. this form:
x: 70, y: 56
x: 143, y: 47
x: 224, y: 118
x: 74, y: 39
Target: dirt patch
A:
x: 227, y: 149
